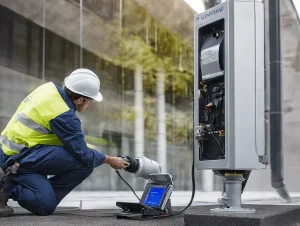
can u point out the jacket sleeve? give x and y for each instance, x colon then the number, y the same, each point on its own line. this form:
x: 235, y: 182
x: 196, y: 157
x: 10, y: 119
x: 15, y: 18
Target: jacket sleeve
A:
x: 67, y: 127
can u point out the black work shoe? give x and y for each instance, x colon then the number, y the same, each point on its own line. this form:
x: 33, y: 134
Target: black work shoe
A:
x: 2, y: 174
x: 5, y: 210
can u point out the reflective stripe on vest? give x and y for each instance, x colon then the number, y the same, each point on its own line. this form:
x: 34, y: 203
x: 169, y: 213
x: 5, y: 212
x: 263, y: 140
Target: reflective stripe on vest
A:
x: 11, y: 145
x: 22, y: 118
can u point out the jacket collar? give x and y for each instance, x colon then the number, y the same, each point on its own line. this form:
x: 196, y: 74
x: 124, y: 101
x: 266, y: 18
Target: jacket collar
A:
x: 65, y: 97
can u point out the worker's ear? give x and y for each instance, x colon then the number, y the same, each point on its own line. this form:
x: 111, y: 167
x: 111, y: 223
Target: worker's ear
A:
x: 80, y: 100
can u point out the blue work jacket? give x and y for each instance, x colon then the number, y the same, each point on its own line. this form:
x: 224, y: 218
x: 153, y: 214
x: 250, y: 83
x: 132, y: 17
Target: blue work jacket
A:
x: 67, y: 128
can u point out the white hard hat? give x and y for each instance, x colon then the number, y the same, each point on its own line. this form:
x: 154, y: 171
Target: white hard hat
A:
x: 85, y: 82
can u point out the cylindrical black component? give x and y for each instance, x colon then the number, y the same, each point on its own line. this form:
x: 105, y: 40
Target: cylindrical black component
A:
x: 134, y: 164
x: 211, y: 3
x: 276, y: 150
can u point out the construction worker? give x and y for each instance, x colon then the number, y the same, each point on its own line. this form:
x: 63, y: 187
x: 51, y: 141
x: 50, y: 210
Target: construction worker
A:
x: 44, y: 136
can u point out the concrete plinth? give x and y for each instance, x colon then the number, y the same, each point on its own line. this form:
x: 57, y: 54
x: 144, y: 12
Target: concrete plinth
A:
x: 272, y: 215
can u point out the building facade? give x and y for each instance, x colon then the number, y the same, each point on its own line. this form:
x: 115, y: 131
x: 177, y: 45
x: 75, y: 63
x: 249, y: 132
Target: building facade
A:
x: 145, y: 70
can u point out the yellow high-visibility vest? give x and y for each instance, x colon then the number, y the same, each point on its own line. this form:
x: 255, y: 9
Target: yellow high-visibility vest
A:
x: 30, y: 125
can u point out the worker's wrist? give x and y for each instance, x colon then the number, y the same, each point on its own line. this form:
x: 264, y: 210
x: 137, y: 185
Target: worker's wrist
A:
x: 107, y: 159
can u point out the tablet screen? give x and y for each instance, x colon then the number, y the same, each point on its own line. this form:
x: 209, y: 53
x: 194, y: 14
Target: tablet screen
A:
x: 154, y: 196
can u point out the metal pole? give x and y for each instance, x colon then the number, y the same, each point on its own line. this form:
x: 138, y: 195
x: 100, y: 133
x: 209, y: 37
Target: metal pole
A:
x: 121, y: 15
x: 276, y: 149
x: 80, y: 30
x: 44, y: 41
x: 211, y: 3
x: 231, y: 202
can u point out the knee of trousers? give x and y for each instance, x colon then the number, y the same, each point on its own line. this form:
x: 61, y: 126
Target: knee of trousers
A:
x: 40, y: 206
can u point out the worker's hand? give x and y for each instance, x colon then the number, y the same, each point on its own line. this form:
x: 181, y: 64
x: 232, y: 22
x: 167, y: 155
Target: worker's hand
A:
x: 116, y: 162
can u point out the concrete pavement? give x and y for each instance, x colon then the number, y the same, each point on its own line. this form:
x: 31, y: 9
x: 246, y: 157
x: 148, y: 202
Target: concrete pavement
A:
x: 98, y: 208
x: 108, y: 199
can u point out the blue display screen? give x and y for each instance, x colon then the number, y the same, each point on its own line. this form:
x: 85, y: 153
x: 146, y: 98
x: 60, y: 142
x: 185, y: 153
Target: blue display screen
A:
x: 154, y: 196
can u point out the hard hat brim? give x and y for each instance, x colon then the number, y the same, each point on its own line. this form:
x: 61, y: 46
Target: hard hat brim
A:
x: 99, y: 97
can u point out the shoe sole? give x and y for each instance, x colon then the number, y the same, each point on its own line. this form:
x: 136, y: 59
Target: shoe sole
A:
x: 6, y: 212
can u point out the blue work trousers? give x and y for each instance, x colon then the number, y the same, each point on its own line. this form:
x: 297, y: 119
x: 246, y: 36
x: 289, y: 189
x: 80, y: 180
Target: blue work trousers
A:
x: 32, y: 189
